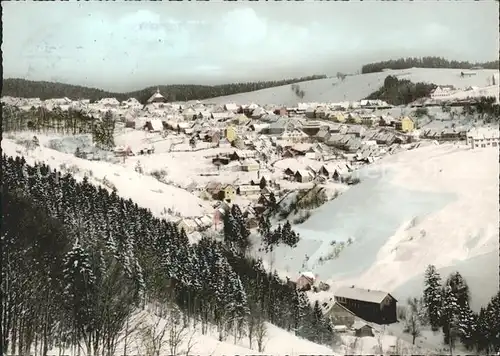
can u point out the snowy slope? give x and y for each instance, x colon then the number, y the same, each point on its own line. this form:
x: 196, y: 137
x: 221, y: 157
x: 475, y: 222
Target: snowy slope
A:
x: 490, y: 90
x: 276, y: 342
x: 354, y: 87
x: 433, y: 205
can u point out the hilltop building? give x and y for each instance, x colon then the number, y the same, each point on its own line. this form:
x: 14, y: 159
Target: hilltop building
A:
x: 157, y: 97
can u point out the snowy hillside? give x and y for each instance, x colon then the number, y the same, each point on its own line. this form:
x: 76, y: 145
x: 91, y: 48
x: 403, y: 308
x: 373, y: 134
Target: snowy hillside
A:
x: 433, y: 205
x: 354, y: 87
x: 143, y: 189
x: 403, y: 213
x: 275, y: 341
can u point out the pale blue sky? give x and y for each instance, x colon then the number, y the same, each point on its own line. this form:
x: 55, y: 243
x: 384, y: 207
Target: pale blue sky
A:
x: 123, y: 46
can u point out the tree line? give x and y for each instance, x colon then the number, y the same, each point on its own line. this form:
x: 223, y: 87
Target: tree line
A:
x: 70, y: 122
x: 176, y: 92
x: 78, y: 260
x: 424, y: 62
x: 401, y: 91
x: 445, y: 305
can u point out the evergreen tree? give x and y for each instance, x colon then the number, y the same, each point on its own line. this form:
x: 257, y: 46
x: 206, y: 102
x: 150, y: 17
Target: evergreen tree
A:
x: 79, y: 291
x: 483, y: 334
x: 450, y: 312
x: 273, y: 204
x: 243, y: 241
x: 321, y: 325
x: 467, y: 326
x: 289, y: 237
x: 264, y: 226
x: 492, y: 318
x: 232, y: 231
x: 432, y: 296
x: 262, y: 183
x: 460, y: 288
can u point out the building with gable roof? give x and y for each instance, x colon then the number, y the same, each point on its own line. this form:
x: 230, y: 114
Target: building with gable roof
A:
x: 370, y: 305
x: 157, y: 97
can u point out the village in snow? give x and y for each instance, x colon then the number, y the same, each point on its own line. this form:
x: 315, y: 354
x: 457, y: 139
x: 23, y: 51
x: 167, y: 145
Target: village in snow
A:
x: 293, y: 180
x: 336, y: 172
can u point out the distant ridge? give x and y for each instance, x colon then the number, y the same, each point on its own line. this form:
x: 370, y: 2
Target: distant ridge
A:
x: 178, y: 92
x: 425, y: 62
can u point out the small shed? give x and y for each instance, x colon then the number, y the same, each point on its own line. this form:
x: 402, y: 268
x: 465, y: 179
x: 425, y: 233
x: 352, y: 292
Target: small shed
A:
x: 362, y: 329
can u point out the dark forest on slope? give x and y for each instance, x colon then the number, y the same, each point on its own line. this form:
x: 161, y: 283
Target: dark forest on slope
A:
x: 424, y: 62
x: 401, y: 91
x: 74, y: 254
x: 177, y: 92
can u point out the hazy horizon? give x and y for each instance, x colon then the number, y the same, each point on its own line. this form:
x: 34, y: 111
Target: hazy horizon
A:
x: 127, y: 46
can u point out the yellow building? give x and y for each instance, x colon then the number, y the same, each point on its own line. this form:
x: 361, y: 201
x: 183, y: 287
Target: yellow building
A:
x: 337, y: 117
x: 405, y: 124
x: 229, y: 192
x: 231, y: 133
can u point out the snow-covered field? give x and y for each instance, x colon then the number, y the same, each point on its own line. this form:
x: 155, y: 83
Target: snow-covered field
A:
x: 354, y: 87
x: 433, y: 205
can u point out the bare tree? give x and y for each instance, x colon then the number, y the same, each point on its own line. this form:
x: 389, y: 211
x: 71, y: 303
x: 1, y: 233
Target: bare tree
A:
x: 251, y: 327
x: 132, y: 327
x: 260, y: 333
x: 178, y: 330
x: 379, y: 347
x: 154, y: 335
x: 191, y: 342
x: 398, y: 347
x: 414, y: 318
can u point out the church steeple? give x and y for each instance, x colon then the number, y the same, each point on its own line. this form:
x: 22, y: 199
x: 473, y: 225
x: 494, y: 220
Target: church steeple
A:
x: 157, y: 97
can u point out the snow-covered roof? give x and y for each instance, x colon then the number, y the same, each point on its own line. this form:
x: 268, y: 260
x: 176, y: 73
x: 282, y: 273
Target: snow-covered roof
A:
x: 231, y: 106
x: 156, y: 124
x: 366, y: 295
x: 482, y: 133
x: 156, y: 96
x: 358, y: 324
x: 308, y: 274
x: 249, y: 188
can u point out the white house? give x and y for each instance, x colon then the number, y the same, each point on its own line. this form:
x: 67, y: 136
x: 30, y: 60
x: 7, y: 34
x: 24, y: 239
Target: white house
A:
x: 482, y: 137
x: 442, y: 91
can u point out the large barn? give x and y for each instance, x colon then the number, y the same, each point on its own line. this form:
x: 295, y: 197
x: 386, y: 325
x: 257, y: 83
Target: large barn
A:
x: 370, y: 305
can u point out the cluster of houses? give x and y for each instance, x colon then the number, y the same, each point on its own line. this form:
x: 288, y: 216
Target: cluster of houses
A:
x: 336, y: 137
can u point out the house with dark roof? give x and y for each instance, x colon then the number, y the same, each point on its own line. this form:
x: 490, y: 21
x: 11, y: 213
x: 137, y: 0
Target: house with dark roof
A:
x: 370, y: 305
